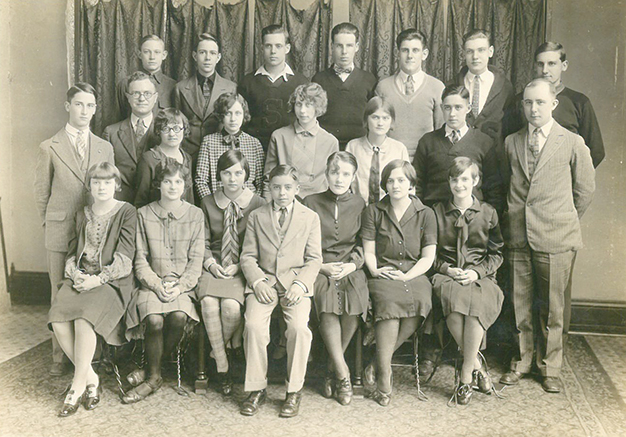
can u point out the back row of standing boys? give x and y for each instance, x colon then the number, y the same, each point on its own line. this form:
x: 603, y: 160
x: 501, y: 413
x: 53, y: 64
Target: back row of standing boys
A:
x: 539, y: 182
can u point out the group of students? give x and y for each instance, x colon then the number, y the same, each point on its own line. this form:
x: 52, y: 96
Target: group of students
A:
x: 343, y: 194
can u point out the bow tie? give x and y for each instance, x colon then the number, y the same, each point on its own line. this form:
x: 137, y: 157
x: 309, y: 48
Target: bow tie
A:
x: 340, y: 70
x: 231, y: 140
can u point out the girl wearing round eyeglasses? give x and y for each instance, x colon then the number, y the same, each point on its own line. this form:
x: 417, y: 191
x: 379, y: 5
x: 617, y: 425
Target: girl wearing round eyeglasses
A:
x: 172, y: 127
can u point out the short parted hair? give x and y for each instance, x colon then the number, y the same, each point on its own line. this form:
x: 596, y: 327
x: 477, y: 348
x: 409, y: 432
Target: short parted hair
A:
x: 151, y: 37
x: 80, y: 87
x: 310, y: 93
x: 455, y: 90
x: 207, y: 37
x: 407, y: 169
x: 376, y: 103
x: 104, y: 170
x: 230, y: 158
x: 167, y: 116
x: 225, y: 101
x: 341, y: 156
x: 284, y: 170
x: 170, y: 167
x: 535, y: 82
x: 411, y: 34
x: 477, y: 34
x: 460, y: 164
x: 348, y: 28
x: 551, y: 46
x: 140, y: 75
x: 274, y: 29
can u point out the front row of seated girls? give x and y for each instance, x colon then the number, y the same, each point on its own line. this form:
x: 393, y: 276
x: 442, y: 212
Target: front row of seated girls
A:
x: 288, y: 254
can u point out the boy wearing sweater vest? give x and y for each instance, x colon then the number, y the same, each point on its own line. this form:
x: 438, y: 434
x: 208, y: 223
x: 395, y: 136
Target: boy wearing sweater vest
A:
x: 415, y: 95
x: 268, y: 89
x: 349, y: 88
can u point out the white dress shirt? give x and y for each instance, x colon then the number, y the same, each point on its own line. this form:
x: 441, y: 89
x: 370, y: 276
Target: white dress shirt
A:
x: 486, y: 82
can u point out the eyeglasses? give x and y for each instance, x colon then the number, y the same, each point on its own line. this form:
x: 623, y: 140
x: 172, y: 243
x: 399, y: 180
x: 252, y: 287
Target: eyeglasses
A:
x: 137, y: 94
x: 176, y: 129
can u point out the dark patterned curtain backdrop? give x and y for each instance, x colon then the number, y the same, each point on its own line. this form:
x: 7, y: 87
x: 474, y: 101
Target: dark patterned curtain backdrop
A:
x: 517, y: 26
x: 309, y: 30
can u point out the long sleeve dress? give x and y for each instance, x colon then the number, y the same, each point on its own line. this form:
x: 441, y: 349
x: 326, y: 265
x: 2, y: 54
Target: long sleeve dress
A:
x: 105, y: 246
x: 470, y: 241
x: 340, y: 218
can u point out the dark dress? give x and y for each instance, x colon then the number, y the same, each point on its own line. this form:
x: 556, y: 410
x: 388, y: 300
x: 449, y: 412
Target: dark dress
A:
x: 399, y: 245
x: 340, y: 218
x: 111, y: 258
x: 213, y: 207
x: 471, y: 241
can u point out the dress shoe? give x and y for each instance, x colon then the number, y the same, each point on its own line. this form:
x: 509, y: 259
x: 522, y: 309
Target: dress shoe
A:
x: 381, y: 398
x: 369, y: 374
x: 551, y: 384
x: 511, y: 377
x: 344, y: 391
x: 57, y: 369
x: 327, y: 390
x: 253, y: 402
x: 426, y: 368
x: 482, y: 381
x: 142, y: 391
x: 71, y: 403
x: 291, y: 406
x: 226, y: 383
x: 136, y: 377
x: 92, y: 396
x: 463, y: 394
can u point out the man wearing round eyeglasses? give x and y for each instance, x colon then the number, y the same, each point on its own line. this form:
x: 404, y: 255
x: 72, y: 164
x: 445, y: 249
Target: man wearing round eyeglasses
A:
x: 132, y: 136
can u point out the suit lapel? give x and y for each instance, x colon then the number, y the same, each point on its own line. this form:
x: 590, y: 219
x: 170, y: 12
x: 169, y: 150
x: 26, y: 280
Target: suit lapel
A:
x: 95, y: 150
x: 268, y: 227
x: 127, y: 138
x: 495, y: 90
x: 297, y: 221
x: 65, y: 151
x: 553, y: 142
x: 191, y: 93
x: 520, y: 148
x: 218, y: 89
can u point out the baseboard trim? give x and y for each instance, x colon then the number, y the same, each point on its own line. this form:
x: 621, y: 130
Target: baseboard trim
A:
x: 602, y: 317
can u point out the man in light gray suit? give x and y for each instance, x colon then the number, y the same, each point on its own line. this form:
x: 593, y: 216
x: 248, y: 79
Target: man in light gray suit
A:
x: 552, y: 180
x: 60, y: 191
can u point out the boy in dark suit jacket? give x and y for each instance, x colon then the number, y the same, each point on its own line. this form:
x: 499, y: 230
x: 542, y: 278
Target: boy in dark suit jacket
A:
x: 552, y: 181
x: 151, y: 53
x: 60, y: 190
x: 195, y: 96
x: 267, y: 90
x: 348, y: 88
x: 280, y: 259
x: 134, y: 135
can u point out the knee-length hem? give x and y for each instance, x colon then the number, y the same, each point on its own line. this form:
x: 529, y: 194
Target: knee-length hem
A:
x: 349, y: 295
x: 399, y: 299
x: 233, y: 288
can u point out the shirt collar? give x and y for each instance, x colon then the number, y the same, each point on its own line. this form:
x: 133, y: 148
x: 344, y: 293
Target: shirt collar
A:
x: 450, y: 205
x: 157, y: 75
x: 277, y: 208
x: 417, y: 77
x: 299, y: 129
x: 487, y: 73
x: 202, y: 79
x: 341, y: 198
x: 147, y: 120
x: 543, y: 130
x: 560, y: 87
x: 162, y: 213
x: 462, y: 131
x: 284, y: 74
x: 243, y: 200
x: 385, y: 204
x: 73, y: 132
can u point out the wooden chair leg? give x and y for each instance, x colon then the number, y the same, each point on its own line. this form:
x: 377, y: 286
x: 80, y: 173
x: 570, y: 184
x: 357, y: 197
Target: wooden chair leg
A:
x: 357, y: 385
x: 202, y: 382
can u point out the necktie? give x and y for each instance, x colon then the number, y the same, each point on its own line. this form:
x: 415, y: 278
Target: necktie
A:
x: 455, y: 136
x: 409, y: 86
x: 81, y: 145
x: 230, y: 238
x: 283, y: 217
x: 476, y: 96
x: 374, y: 182
x: 140, y: 130
x: 206, y: 90
x: 339, y: 70
x: 232, y: 141
x: 534, y: 142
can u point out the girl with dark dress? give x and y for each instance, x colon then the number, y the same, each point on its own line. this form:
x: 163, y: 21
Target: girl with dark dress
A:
x: 93, y: 298
x: 341, y: 295
x: 469, y: 252
x: 399, y: 239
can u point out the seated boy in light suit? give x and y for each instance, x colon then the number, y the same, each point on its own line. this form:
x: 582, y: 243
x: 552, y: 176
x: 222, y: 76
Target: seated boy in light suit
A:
x: 552, y: 181
x: 280, y: 259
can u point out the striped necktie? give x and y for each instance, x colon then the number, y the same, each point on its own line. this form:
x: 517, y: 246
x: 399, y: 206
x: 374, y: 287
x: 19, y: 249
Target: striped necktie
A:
x: 140, y: 130
x: 283, y: 217
x: 455, y: 136
x: 230, y: 238
x: 81, y: 145
x: 409, y: 86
